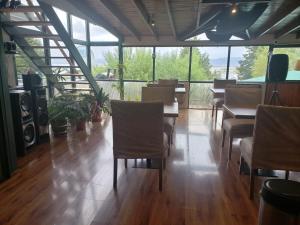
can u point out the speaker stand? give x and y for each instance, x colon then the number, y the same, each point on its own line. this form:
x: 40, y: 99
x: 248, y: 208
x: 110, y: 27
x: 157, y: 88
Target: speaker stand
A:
x: 275, y: 98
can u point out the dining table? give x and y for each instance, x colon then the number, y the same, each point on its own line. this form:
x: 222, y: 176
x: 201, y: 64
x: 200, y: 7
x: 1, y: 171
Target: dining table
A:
x: 180, y: 90
x: 171, y: 110
x: 217, y: 90
x: 240, y: 112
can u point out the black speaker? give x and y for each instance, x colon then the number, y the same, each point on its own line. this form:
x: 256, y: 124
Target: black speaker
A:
x: 25, y: 135
x: 40, y: 114
x: 31, y: 81
x: 278, y: 68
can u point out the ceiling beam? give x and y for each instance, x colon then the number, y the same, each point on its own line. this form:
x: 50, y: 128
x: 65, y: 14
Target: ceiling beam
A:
x: 206, y: 19
x: 198, y: 13
x: 288, y: 28
x: 21, y: 9
x: 284, y: 10
x: 171, y: 18
x: 141, y: 8
x: 95, y: 18
x: 115, y: 11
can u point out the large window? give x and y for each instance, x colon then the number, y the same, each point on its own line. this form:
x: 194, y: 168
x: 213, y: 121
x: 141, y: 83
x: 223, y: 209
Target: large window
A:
x: 98, y: 33
x: 249, y: 63
x: 209, y: 63
x: 200, y: 95
x: 138, y: 63
x: 172, y: 62
x: 78, y: 28
x: 105, y: 60
x: 294, y: 55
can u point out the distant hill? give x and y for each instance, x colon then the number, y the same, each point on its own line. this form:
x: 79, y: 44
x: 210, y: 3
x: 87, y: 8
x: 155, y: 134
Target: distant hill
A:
x: 222, y: 62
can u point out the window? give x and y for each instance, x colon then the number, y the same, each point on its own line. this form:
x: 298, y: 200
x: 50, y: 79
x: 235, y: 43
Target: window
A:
x: 78, y: 28
x: 62, y: 15
x: 249, y: 63
x: 138, y: 63
x: 98, y: 33
x: 133, y: 90
x: 105, y: 60
x: 209, y: 63
x: 172, y: 62
x: 200, y: 95
x: 294, y: 55
x: 83, y: 51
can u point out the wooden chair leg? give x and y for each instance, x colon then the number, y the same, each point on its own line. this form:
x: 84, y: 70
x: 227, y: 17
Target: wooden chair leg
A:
x: 230, y: 147
x: 115, y: 172
x: 252, y: 177
x: 242, y: 165
x: 287, y: 174
x: 223, y: 137
x: 125, y: 163
x: 212, y: 111
x: 164, y: 163
x: 160, y: 175
x: 135, y: 162
x: 216, y: 116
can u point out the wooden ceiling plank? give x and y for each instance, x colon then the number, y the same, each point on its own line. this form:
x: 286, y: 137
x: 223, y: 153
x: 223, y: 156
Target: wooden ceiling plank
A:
x: 171, y: 18
x: 277, y: 17
x: 96, y: 18
x: 292, y: 26
x: 141, y: 8
x: 121, y: 17
x: 222, y: 2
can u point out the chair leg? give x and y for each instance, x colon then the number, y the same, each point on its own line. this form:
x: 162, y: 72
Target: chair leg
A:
x: 135, y: 162
x: 223, y: 137
x: 216, y: 117
x: 230, y: 147
x: 287, y: 174
x: 242, y: 165
x: 252, y: 177
x: 115, y: 172
x: 212, y: 111
x: 125, y: 163
x: 160, y: 175
x: 165, y: 163
x: 169, y: 143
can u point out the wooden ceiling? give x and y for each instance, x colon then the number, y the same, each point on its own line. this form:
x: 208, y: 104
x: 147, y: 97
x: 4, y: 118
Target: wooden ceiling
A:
x: 177, y: 20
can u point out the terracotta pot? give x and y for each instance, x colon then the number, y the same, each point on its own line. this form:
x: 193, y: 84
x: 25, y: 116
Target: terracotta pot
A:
x: 80, y: 125
x: 96, y: 116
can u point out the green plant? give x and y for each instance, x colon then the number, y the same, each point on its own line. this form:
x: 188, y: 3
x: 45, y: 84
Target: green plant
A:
x: 102, y: 100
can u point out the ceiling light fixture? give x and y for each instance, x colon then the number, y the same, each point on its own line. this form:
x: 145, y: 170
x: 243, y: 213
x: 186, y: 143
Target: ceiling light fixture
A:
x: 234, y: 8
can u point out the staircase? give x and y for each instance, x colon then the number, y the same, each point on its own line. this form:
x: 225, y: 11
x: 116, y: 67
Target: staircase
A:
x: 71, y: 73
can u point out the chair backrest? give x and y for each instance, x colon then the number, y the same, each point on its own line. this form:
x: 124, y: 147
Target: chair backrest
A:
x: 137, y: 129
x: 165, y: 95
x: 168, y: 82
x: 218, y: 83
x: 276, y: 142
x: 243, y: 96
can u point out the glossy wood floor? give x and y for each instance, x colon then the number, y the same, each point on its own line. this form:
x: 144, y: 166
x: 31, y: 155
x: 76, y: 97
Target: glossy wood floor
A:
x: 69, y: 182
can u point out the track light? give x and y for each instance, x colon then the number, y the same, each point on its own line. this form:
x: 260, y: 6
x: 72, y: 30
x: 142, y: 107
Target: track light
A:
x: 234, y: 8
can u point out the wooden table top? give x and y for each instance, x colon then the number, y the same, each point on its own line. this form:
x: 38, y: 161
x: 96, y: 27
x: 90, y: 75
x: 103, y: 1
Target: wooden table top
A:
x: 180, y: 90
x: 171, y: 110
x: 241, y: 113
x: 218, y: 90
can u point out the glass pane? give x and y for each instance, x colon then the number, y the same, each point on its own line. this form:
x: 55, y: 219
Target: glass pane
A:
x: 133, y: 90
x: 105, y: 60
x: 172, y: 62
x: 98, y: 33
x: 209, y: 63
x: 111, y: 88
x: 294, y: 55
x: 83, y: 51
x: 62, y: 15
x: 138, y: 63
x: 200, y: 95
x: 249, y: 63
x: 78, y: 28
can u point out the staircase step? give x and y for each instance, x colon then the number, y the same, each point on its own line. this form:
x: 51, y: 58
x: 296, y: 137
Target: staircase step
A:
x: 51, y: 57
x: 78, y: 89
x: 27, y: 23
x: 73, y: 82
x: 69, y: 75
x: 50, y: 36
x: 38, y: 46
x: 22, y: 9
x: 58, y: 66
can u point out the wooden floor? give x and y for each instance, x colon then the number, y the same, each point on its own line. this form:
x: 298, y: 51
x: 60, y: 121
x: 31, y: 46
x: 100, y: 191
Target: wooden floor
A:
x: 69, y: 182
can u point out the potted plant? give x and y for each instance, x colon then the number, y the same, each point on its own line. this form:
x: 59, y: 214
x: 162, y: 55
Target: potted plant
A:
x: 58, y: 114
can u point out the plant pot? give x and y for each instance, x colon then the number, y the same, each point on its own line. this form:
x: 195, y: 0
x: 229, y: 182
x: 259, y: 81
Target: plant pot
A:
x: 80, y: 125
x: 59, y: 127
